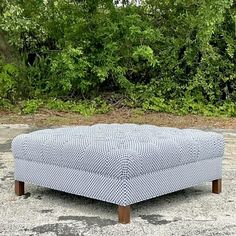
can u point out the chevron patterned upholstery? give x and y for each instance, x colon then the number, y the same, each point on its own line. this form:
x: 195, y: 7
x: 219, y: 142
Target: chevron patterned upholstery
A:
x: 113, y: 162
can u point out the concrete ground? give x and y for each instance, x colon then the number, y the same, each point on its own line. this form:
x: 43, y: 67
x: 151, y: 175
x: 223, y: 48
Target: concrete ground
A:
x: 41, y: 211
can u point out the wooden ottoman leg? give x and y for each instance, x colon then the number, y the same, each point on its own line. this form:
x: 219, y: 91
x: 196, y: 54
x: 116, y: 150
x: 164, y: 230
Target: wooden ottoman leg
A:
x: 124, y: 214
x: 217, y: 186
x: 19, y: 188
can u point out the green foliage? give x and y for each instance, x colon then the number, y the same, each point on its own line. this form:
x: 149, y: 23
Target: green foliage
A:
x: 32, y: 106
x: 168, y: 56
x: 69, y: 70
x: 87, y: 108
x: 83, y: 107
x: 8, y: 75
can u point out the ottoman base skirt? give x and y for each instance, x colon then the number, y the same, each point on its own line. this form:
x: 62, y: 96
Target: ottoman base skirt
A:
x: 122, y: 192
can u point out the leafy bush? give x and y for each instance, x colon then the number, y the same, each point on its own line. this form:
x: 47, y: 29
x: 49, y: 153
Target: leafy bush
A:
x: 8, y: 75
x: 170, y: 56
x: 31, y: 106
x: 69, y: 70
x: 86, y: 108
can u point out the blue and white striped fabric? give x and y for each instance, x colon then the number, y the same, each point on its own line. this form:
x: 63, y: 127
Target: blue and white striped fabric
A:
x: 121, y: 157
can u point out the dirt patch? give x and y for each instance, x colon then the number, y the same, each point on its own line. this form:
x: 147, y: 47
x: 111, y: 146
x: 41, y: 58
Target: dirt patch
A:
x: 49, y: 118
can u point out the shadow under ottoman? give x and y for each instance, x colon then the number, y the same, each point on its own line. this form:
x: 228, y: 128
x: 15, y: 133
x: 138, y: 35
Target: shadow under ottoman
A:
x: 118, y: 163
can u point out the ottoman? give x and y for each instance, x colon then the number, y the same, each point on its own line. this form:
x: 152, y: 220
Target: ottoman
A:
x: 118, y: 163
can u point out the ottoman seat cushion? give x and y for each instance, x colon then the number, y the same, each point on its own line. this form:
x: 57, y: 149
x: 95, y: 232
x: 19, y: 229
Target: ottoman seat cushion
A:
x: 119, y: 151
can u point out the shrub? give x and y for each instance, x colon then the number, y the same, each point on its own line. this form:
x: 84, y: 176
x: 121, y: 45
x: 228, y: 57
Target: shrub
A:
x: 8, y: 74
x: 83, y: 107
x: 31, y: 106
x: 86, y: 108
x: 172, y: 56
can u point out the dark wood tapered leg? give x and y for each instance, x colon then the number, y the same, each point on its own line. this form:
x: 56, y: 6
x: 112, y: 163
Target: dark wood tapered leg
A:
x: 19, y: 188
x: 217, y: 186
x: 124, y: 214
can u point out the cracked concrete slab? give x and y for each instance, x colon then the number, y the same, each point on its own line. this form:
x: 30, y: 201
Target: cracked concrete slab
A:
x: 42, y: 211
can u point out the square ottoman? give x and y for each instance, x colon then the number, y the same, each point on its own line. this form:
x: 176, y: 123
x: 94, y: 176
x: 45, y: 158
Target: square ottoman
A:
x: 118, y: 163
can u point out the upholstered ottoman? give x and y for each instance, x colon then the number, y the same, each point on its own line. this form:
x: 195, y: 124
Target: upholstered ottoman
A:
x: 118, y: 163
